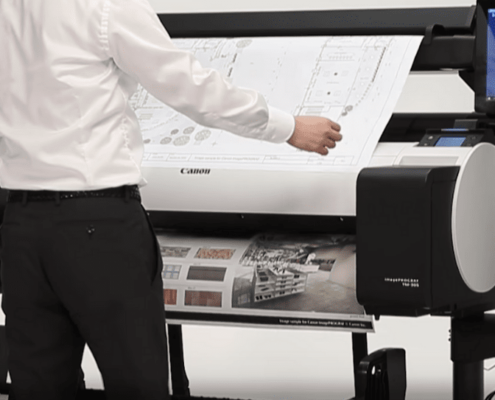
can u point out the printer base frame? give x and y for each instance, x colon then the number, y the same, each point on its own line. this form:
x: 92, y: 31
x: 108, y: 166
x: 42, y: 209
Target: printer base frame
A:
x: 471, y: 343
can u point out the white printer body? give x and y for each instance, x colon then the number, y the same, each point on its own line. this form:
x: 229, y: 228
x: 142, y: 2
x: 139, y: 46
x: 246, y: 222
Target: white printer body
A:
x: 422, y: 209
x: 469, y: 202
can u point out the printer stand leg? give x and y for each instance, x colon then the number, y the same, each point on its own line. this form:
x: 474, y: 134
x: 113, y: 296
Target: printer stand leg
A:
x: 180, y: 383
x: 471, y: 343
x: 468, y: 380
x: 359, y: 351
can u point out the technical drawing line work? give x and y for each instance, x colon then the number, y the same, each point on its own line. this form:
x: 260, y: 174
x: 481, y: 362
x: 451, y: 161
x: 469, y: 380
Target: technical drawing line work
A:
x: 353, y: 80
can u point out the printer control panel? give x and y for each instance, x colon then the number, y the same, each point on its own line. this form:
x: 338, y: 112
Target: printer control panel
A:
x: 456, y: 137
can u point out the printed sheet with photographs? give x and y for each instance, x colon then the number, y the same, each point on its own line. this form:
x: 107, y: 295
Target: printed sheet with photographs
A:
x: 269, y: 280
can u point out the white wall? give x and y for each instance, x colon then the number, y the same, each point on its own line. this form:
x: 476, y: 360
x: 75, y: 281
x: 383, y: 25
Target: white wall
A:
x: 283, y: 364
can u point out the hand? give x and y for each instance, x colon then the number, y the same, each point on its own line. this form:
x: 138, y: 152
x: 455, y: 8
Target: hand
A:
x: 317, y: 134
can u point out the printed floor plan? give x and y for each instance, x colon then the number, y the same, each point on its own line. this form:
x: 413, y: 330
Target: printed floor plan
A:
x: 355, y: 81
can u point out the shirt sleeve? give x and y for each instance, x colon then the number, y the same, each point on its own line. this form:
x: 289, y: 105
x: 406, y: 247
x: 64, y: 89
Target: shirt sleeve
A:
x: 141, y: 47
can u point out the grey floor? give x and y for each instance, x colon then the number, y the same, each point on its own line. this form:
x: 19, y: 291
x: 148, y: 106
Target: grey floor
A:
x: 273, y: 364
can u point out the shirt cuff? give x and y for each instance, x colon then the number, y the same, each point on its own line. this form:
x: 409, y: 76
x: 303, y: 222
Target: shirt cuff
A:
x: 280, y: 126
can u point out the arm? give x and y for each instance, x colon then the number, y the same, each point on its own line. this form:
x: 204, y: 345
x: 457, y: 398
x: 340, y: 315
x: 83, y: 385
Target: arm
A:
x: 140, y: 47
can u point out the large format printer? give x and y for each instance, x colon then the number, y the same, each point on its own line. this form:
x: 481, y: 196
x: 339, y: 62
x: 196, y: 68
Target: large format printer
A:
x: 422, y: 210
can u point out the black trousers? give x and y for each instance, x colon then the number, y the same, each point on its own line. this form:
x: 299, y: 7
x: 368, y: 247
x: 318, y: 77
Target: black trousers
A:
x: 83, y: 271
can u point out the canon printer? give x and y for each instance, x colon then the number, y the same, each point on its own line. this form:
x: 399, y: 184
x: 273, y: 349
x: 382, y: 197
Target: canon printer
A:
x: 422, y: 210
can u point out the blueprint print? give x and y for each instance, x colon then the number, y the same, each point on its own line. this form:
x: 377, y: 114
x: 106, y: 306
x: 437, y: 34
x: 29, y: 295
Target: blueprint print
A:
x: 355, y: 81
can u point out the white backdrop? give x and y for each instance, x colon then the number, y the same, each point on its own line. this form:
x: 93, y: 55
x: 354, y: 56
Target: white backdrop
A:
x: 284, y: 364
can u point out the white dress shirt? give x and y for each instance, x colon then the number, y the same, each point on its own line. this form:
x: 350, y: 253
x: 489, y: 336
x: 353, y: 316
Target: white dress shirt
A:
x: 67, y: 71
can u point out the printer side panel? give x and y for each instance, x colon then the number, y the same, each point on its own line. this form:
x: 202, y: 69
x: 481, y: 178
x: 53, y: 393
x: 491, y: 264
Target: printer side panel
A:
x: 393, y: 229
x: 450, y: 294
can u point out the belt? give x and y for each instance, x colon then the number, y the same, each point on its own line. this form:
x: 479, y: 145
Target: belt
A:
x: 126, y: 192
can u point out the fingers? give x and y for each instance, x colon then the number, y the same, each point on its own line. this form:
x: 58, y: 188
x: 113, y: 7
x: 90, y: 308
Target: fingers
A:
x: 335, y: 126
x: 330, y: 142
x: 334, y: 132
x: 331, y: 131
x: 322, y: 151
x: 317, y: 134
x: 335, y: 136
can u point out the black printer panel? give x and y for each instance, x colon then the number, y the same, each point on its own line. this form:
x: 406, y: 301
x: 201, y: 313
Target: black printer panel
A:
x: 394, y: 237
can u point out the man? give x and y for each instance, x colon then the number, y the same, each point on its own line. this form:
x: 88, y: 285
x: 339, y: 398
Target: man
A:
x: 80, y: 262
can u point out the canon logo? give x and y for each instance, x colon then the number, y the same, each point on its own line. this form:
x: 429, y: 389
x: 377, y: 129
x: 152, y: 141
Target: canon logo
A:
x: 195, y: 171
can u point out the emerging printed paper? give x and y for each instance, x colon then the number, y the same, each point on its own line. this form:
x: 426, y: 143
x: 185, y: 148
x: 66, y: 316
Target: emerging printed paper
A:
x: 268, y: 280
x: 355, y: 81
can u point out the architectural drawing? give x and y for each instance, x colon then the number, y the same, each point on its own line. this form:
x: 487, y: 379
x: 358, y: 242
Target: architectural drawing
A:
x: 355, y: 81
